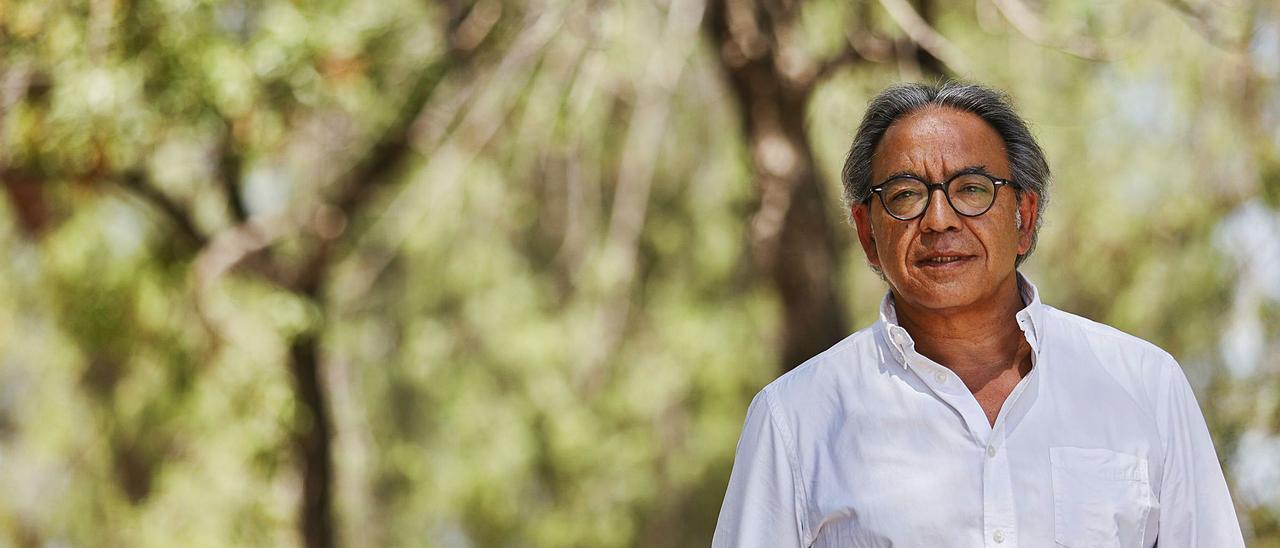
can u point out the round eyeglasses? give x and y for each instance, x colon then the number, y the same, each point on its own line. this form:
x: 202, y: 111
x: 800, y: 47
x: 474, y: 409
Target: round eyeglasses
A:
x: 906, y: 197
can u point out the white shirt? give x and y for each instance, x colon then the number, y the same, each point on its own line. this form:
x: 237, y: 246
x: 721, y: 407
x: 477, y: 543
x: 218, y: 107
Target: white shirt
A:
x: 872, y: 444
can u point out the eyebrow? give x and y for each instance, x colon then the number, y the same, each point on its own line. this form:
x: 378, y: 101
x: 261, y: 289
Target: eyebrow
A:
x: 981, y: 169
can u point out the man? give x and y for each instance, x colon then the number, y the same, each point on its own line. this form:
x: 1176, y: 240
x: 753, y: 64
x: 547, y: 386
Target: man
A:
x: 970, y: 414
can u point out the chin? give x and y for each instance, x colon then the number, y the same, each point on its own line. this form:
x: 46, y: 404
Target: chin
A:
x: 941, y: 300
x: 932, y: 292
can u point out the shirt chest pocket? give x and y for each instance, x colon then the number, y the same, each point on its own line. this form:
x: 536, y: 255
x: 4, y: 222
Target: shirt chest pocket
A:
x: 1101, y: 498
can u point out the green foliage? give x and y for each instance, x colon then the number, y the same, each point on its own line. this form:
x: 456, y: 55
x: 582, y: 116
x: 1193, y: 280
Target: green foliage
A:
x: 542, y: 323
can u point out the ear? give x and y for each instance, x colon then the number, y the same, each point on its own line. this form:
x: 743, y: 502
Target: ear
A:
x: 1028, y: 206
x: 862, y: 219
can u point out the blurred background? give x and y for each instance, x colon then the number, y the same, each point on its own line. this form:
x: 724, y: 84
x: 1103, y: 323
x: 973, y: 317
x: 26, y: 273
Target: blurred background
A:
x: 496, y: 273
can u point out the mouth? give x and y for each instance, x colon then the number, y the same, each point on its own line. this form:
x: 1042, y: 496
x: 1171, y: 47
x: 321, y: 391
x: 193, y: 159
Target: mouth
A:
x: 944, y: 261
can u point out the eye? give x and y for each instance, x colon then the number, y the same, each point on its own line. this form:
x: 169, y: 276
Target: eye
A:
x: 903, y: 195
x: 903, y: 191
x: 971, y: 186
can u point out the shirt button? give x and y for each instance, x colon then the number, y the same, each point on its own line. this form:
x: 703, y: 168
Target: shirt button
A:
x: 991, y: 450
x: 940, y: 377
x: 998, y: 536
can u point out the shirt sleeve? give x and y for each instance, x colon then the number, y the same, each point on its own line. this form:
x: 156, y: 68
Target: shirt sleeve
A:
x: 764, y: 505
x: 1195, y: 507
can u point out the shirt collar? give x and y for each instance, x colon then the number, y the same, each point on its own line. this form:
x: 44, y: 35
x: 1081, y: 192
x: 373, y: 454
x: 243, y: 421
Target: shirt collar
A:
x: 1030, y: 320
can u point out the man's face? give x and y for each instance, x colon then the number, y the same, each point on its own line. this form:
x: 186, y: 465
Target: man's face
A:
x: 934, y: 143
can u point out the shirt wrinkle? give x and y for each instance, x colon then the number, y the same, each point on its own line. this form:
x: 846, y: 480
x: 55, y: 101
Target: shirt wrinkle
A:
x: 792, y: 461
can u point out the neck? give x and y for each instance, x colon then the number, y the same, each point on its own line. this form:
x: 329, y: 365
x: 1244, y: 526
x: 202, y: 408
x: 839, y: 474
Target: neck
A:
x: 980, y: 340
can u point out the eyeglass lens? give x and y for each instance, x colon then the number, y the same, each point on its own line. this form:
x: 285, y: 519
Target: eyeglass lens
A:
x: 970, y: 194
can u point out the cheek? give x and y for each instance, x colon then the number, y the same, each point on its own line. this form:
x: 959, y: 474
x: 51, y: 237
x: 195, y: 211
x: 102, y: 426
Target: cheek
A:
x: 891, y: 238
x: 1011, y: 241
x: 900, y: 247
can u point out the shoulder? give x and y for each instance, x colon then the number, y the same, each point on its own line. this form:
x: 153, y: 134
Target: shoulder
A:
x: 1100, y: 334
x: 1137, y: 364
x: 809, y: 391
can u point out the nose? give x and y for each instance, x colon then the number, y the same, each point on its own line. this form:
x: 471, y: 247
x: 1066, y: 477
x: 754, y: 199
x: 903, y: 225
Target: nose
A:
x: 939, y: 216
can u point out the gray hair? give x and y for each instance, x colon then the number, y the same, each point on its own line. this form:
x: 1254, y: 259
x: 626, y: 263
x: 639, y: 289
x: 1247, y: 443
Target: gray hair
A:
x: 1026, y: 159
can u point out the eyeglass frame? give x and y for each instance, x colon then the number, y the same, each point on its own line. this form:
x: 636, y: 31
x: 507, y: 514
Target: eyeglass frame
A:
x: 930, y: 187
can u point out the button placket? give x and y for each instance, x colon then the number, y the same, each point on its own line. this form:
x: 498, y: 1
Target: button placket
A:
x: 997, y: 493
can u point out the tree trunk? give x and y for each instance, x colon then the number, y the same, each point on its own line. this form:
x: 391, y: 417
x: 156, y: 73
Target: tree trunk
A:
x: 313, y: 432
x: 792, y: 237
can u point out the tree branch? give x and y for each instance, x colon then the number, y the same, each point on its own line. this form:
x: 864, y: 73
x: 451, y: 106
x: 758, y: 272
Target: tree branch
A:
x: 477, y: 126
x: 645, y: 134
x: 230, y: 168
x: 1026, y: 22
x: 910, y: 21
x: 356, y: 185
x: 139, y: 183
x: 861, y: 46
x: 847, y: 57
x: 466, y: 33
x: 1200, y: 22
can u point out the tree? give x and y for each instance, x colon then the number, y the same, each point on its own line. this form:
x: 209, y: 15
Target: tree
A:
x: 489, y: 273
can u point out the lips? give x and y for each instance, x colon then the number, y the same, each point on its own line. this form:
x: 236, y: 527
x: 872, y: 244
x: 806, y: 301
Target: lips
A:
x: 945, y: 259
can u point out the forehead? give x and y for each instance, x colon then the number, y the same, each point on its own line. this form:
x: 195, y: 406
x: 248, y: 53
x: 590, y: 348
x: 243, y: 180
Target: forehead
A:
x: 935, y: 141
